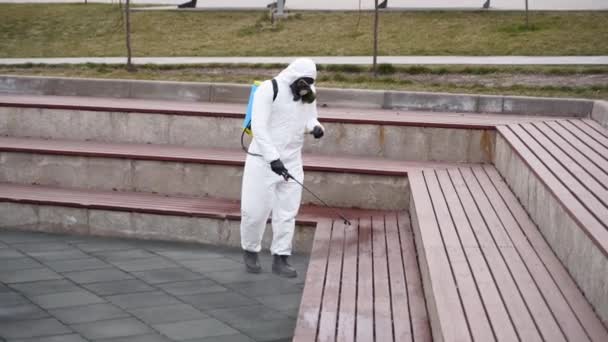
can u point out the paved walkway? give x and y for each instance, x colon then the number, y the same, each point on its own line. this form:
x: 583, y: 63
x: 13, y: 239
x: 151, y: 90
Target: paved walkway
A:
x: 368, y: 4
x: 352, y: 60
x: 74, y: 288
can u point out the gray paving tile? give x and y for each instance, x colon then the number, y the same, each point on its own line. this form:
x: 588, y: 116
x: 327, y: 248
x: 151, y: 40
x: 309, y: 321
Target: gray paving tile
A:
x: 32, y: 328
x: 208, y: 301
x: 88, y: 313
x: 19, y: 264
x: 142, y: 300
x: 41, y: 246
x: 57, y: 338
x: 211, y: 265
x: 11, y: 298
x: 11, y: 237
x: 21, y: 312
x: 34, y: 274
x: 117, y: 287
x: 189, y: 254
x: 154, y: 263
x: 9, y: 253
x: 95, y: 276
x: 67, y: 254
x: 272, y: 331
x: 181, y: 331
x: 98, y: 246
x: 156, y: 337
x: 168, y: 314
x: 66, y: 299
x: 192, y: 287
x: 247, y: 317
x: 76, y: 265
x: 265, y: 287
x: 44, y: 287
x: 225, y: 338
x: 112, y: 328
x: 284, y: 302
x: 4, y: 288
x: 167, y: 275
x: 123, y: 255
x: 238, y: 276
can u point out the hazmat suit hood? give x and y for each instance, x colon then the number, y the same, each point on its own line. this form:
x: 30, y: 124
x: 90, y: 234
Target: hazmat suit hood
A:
x: 301, y: 67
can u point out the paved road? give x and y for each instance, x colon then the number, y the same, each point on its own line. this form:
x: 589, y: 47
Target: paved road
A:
x: 367, y: 4
x: 73, y: 288
x: 360, y: 60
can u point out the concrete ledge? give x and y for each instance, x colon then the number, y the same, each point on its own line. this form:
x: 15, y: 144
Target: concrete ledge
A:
x: 393, y: 142
x: 600, y: 113
x: 193, y: 179
x: 239, y: 93
x: 585, y: 262
x: 58, y: 219
x: 547, y: 106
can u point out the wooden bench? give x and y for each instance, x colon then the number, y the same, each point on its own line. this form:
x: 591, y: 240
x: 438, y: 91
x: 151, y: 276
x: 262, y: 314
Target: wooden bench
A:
x: 559, y: 171
x: 232, y: 110
x: 487, y: 271
x: 363, y: 283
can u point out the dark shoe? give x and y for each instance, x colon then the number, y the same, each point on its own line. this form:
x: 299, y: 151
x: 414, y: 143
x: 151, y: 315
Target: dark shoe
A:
x: 281, y: 267
x: 252, y: 262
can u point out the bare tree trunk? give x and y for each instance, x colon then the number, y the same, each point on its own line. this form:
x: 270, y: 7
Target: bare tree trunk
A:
x: 130, y: 66
x: 375, y: 65
x: 527, y: 20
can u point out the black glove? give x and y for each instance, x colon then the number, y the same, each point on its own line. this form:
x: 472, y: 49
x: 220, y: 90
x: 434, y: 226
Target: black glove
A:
x: 317, y: 132
x: 278, y: 168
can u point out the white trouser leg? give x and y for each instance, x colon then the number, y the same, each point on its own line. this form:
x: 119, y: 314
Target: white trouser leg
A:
x: 284, y: 212
x: 257, y: 197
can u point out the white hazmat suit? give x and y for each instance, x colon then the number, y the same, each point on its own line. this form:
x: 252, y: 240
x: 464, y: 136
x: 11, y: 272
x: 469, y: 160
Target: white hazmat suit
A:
x: 278, y: 133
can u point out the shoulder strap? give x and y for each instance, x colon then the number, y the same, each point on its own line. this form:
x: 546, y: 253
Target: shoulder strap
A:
x: 275, y: 89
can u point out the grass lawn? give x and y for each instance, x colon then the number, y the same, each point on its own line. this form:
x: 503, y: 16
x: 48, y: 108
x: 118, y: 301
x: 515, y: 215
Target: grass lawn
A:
x: 76, y: 30
x: 579, y: 82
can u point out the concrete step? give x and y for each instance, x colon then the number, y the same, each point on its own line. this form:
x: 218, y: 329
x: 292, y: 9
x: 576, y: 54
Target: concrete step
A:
x: 488, y: 273
x: 143, y: 216
x: 394, y: 134
x: 559, y: 172
x: 185, y: 171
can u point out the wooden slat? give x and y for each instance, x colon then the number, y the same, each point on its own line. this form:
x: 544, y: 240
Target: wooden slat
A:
x: 596, y: 126
x: 421, y: 331
x: 535, y: 302
x: 590, y: 131
x: 600, y: 161
x: 594, y: 206
x: 601, y: 175
x: 447, y: 309
x: 365, y: 286
x: 569, y: 164
x: 398, y: 283
x: 476, y: 318
x: 588, y: 140
x: 568, y: 288
x: 383, y: 315
x: 331, y: 293
x: 593, y: 228
x: 308, y: 317
x: 547, y: 287
x: 493, y: 302
x: 348, y: 295
x: 522, y: 319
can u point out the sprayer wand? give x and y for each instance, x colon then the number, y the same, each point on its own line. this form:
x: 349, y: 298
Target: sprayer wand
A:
x: 287, y: 175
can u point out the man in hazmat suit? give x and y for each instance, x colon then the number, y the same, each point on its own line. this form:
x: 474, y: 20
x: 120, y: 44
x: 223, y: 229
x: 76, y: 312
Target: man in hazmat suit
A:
x: 278, y: 126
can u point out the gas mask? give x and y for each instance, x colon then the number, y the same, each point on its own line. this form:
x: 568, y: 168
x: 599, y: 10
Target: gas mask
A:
x: 302, y: 90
